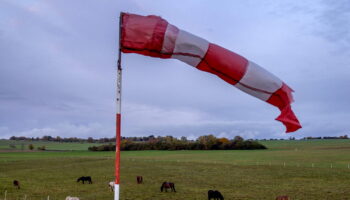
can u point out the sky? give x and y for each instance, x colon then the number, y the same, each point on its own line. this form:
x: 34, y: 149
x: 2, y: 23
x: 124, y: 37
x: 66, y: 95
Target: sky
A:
x: 58, y: 69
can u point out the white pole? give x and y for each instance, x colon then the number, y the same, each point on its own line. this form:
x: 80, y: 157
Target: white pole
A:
x: 118, y: 116
x: 5, y: 194
x: 116, y: 192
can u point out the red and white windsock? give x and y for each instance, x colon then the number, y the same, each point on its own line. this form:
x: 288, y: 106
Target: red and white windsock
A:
x: 154, y: 36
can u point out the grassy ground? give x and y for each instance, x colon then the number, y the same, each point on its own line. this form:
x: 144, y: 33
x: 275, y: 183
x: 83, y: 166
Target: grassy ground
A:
x: 23, y: 145
x: 237, y: 174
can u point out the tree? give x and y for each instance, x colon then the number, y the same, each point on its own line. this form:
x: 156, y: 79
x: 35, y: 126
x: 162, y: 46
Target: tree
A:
x: 90, y: 140
x: 31, y: 146
x: 238, y: 138
x: 223, y: 140
x: 207, y: 141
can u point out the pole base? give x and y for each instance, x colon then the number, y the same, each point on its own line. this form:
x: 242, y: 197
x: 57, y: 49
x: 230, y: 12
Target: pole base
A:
x: 116, y: 191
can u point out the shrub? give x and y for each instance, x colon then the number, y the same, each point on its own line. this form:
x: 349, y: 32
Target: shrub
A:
x: 42, y: 148
x: 30, y: 146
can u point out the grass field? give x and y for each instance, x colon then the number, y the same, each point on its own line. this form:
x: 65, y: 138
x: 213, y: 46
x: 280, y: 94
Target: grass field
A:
x: 69, y: 146
x: 284, y: 169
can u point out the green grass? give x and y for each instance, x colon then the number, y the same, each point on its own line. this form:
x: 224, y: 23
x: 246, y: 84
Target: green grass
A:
x: 70, y: 146
x: 237, y: 174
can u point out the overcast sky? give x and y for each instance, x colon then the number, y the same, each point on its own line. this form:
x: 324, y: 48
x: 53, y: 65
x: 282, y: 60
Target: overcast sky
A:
x: 58, y: 69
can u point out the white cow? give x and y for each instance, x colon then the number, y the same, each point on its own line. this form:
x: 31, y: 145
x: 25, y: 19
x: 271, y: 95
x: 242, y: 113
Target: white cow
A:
x: 72, y: 198
x: 111, y: 185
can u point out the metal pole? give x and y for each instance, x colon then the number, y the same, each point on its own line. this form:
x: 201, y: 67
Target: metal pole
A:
x: 118, y: 117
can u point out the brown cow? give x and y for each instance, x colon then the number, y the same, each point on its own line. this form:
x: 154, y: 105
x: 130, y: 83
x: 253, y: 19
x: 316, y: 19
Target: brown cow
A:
x: 282, y: 198
x: 16, y: 184
x: 166, y: 186
x: 139, y: 179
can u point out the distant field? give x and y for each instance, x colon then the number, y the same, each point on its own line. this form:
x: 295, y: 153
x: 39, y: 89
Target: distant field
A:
x: 5, y: 144
x: 285, y: 168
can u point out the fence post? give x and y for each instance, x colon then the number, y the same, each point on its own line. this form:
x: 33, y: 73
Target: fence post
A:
x: 5, y: 194
x: 48, y: 197
x: 284, y: 164
x: 348, y: 165
x: 25, y: 197
x: 331, y: 165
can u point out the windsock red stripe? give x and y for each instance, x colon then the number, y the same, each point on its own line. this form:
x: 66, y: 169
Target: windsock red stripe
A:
x: 153, y: 36
x: 224, y: 63
x: 144, y: 34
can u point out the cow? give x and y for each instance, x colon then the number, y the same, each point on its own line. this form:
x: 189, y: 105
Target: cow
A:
x: 16, y: 184
x: 111, y: 185
x: 214, y: 194
x: 139, y: 179
x: 166, y: 186
x: 85, y: 178
x: 72, y: 198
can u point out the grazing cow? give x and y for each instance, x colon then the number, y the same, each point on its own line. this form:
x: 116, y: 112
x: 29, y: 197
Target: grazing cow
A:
x: 214, y: 194
x: 16, y: 184
x: 167, y: 185
x: 85, y: 178
x: 139, y: 179
x: 72, y: 198
x: 282, y: 198
x: 111, y: 185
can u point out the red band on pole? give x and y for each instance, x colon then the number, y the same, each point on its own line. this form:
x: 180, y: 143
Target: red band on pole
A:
x: 117, y: 151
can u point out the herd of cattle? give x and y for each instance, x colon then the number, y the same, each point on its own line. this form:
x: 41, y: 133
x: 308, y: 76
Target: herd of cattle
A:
x: 212, y: 194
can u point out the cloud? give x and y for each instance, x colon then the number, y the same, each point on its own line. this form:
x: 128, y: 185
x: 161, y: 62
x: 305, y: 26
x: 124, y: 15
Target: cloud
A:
x: 57, y: 69
x: 62, y: 130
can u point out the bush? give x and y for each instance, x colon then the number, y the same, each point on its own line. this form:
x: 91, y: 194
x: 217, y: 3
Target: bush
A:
x: 30, y: 146
x: 42, y: 148
x: 208, y: 142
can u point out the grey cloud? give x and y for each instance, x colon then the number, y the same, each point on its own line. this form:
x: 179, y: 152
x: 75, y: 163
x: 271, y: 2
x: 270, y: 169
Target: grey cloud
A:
x: 58, y: 60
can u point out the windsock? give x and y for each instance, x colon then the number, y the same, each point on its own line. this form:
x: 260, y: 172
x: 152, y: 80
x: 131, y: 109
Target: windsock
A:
x: 153, y: 36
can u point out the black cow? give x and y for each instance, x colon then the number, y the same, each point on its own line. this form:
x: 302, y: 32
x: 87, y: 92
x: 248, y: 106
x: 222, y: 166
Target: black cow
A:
x: 214, y: 194
x: 85, y: 178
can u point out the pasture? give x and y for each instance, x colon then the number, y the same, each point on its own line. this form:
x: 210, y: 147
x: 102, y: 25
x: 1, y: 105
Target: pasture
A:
x: 23, y: 145
x: 315, y: 169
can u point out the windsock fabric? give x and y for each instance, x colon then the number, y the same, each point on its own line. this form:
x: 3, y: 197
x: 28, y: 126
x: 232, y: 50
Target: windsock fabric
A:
x: 154, y: 36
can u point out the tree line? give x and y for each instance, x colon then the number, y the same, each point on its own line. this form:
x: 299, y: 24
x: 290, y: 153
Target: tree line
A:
x: 326, y: 137
x: 63, y: 139
x: 206, y: 142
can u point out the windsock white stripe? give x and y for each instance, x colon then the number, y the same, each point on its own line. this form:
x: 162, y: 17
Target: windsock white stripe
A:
x: 258, y: 82
x: 190, y: 48
x: 169, y: 39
